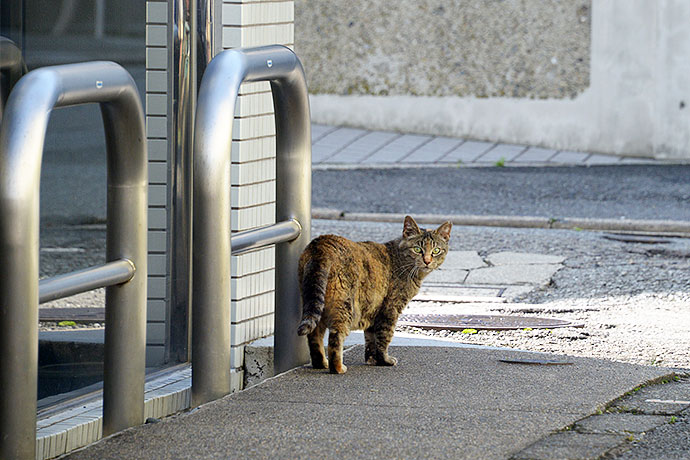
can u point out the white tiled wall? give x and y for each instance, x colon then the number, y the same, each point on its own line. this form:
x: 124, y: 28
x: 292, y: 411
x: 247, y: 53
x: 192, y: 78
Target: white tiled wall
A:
x: 244, y: 24
x: 248, y: 24
x: 157, y: 96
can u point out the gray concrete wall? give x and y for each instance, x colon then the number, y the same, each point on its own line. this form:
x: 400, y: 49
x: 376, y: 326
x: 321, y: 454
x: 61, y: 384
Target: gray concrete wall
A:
x: 609, y: 76
x: 516, y: 48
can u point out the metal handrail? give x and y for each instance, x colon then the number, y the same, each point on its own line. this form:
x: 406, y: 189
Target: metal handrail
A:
x: 22, y: 133
x: 88, y: 279
x: 211, y: 244
x: 265, y: 236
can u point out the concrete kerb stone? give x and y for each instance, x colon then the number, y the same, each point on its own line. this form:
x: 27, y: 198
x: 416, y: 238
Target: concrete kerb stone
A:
x: 570, y: 223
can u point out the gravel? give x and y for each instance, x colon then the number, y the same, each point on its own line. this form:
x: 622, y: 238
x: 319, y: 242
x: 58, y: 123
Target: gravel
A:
x: 633, y: 298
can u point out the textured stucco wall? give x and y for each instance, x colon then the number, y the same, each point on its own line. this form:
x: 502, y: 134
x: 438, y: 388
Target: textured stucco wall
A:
x: 635, y: 100
x: 490, y: 48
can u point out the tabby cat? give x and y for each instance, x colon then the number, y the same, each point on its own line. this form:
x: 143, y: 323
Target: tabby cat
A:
x: 365, y: 285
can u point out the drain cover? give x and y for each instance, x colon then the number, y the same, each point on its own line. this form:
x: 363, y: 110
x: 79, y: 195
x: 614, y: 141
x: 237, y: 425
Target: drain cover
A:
x: 486, y: 322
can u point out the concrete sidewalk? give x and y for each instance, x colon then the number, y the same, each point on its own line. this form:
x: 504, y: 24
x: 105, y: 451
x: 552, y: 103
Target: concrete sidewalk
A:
x: 343, y: 147
x: 439, y: 402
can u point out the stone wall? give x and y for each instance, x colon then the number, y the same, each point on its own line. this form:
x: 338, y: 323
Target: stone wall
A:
x: 496, y: 48
x: 608, y: 76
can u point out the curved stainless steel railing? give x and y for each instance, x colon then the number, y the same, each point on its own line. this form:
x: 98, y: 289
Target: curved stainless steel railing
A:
x: 211, y: 243
x: 22, y: 134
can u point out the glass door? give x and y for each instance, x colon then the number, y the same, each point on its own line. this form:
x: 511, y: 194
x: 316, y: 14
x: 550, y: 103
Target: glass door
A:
x: 73, y: 176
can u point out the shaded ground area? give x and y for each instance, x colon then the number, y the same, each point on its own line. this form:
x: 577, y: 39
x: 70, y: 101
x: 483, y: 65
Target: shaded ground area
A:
x: 436, y: 403
x: 632, y: 192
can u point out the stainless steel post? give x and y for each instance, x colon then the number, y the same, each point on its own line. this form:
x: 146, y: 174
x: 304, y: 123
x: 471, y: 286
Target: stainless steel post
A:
x: 21, y: 147
x: 211, y: 208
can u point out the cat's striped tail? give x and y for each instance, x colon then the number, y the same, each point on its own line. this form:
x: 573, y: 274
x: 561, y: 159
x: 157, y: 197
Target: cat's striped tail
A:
x: 313, y: 285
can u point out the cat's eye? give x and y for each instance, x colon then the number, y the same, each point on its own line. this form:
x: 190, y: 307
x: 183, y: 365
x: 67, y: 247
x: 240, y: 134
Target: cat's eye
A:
x: 417, y: 250
x: 436, y: 251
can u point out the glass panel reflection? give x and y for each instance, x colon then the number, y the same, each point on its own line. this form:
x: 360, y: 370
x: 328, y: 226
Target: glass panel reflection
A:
x: 73, y: 175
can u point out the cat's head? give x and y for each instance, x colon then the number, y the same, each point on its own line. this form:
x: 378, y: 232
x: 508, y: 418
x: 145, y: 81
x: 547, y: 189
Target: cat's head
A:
x: 427, y: 248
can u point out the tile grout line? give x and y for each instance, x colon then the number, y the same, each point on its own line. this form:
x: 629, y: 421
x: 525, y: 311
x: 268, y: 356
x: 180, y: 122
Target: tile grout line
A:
x: 329, y: 131
x: 381, y: 147
x: 402, y: 159
x: 525, y: 148
x: 346, y: 145
x: 492, y: 147
x: 440, y: 159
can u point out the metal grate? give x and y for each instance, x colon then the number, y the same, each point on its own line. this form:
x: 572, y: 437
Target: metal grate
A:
x: 485, y: 322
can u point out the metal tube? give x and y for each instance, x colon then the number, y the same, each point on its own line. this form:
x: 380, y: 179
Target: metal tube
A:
x: 253, y: 239
x: 211, y: 203
x: 293, y: 201
x: 61, y: 286
x: 124, y: 366
x: 21, y: 148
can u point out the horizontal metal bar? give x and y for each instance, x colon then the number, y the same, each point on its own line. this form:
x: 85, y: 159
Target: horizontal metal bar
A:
x: 287, y: 230
x: 61, y: 286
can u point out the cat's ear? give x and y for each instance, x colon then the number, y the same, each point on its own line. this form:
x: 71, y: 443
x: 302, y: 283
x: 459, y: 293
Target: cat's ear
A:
x: 444, y: 231
x: 410, y: 228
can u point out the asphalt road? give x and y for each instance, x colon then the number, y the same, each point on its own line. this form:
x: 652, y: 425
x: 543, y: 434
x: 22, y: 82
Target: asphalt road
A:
x: 613, y: 192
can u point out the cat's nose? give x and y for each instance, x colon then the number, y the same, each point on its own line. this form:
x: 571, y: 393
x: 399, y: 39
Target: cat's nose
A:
x: 427, y: 260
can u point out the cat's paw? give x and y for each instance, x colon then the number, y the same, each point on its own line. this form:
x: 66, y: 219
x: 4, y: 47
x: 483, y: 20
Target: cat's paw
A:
x: 338, y: 369
x: 371, y: 360
x: 387, y: 360
x: 320, y: 364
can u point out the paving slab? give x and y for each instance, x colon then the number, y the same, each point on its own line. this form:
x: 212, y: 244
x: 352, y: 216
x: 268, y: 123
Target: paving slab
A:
x: 462, y: 260
x: 523, y: 258
x: 334, y: 141
x: 535, y: 155
x: 502, y: 152
x: 571, y: 445
x: 570, y: 157
x: 534, y: 274
x: 434, y: 150
x: 319, y: 131
x: 666, y: 399
x: 620, y: 423
x: 596, y: 159
x: 438, y: 402
x: 398, y: 149
x: 447, y: 276
x: 467, y: 152
x: 363, y: 147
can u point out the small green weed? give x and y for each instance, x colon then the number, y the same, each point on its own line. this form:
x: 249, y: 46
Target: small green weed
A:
x: 67, y: 323
x: 469, y: 331
x: 673, y: 420
x: 501, y: 162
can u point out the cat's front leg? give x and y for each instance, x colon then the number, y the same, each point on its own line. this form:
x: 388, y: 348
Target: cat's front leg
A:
x: 384, y: 327
x: 370, y: 345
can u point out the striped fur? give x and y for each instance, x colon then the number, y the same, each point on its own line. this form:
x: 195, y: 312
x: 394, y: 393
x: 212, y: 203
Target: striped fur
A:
x: 350, y: 285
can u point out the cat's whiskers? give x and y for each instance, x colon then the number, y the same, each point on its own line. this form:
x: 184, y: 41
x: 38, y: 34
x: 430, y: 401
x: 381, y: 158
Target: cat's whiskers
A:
x: 400, y: 271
